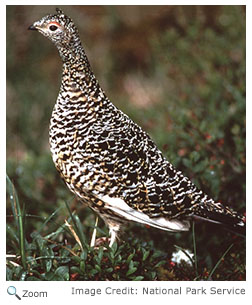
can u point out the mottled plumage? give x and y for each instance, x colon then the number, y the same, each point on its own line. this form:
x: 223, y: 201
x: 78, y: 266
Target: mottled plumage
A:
x: 107, y: 160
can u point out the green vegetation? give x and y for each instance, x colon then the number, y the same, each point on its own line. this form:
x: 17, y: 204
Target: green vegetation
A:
x: 179, y: 72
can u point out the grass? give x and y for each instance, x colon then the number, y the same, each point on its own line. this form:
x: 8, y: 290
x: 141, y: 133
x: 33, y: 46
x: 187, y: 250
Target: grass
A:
x: 195, y: 250
x: 219, y: 261
x: 183, y: 81
x: 45, y: 258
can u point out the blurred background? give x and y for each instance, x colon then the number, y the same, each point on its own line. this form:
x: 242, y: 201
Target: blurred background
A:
x: 178, y: 71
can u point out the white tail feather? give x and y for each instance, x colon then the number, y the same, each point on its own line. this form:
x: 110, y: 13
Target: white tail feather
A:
x: 119, y: 207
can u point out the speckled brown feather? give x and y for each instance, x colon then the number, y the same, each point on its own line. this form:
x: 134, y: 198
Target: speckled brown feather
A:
x: 102, y: 155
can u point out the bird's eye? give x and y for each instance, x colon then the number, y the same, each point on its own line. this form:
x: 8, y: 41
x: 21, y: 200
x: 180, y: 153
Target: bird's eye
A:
x: 53, y: 28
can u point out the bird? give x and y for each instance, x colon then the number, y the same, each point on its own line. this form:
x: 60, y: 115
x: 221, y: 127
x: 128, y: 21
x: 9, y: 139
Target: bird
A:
x: 108, y: 161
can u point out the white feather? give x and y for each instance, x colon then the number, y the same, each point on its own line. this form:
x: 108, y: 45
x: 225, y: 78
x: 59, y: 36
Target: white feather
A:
x: 118, y: 206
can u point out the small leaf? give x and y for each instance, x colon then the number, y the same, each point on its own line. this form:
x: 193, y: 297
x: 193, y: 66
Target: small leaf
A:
x: 153, y: 274
x: 130, y: 257
x: 114, y: 247
x: 131, y: 264
x: 83, y: 255
x: 131, y: 271
x: 100, y: 254
x: 75, y: 269
x: 138, y: 278
x: 145, y: 254
x: 98, y: 268
x: 82, y: 266
x: 63, y: 272
x: 93, y: 272
x: 160, y: 264
x: 200, y: 166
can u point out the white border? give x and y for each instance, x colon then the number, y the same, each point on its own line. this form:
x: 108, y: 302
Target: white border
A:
x: 61, y: 291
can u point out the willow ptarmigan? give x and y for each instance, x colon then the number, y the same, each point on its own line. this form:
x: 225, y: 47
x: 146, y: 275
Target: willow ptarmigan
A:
x: 107, y: 160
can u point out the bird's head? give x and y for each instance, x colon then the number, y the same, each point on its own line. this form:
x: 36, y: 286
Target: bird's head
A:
x: 59, y: 28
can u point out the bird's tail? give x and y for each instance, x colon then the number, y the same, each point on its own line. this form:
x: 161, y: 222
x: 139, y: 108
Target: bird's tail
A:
x: 218, y: 213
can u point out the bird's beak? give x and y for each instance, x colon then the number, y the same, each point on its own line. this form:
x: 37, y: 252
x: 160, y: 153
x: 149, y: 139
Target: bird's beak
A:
x: 32, y: 27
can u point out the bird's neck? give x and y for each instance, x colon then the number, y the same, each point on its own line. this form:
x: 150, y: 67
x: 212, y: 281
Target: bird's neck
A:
x: 78, y: 80
x: 73, y: 53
